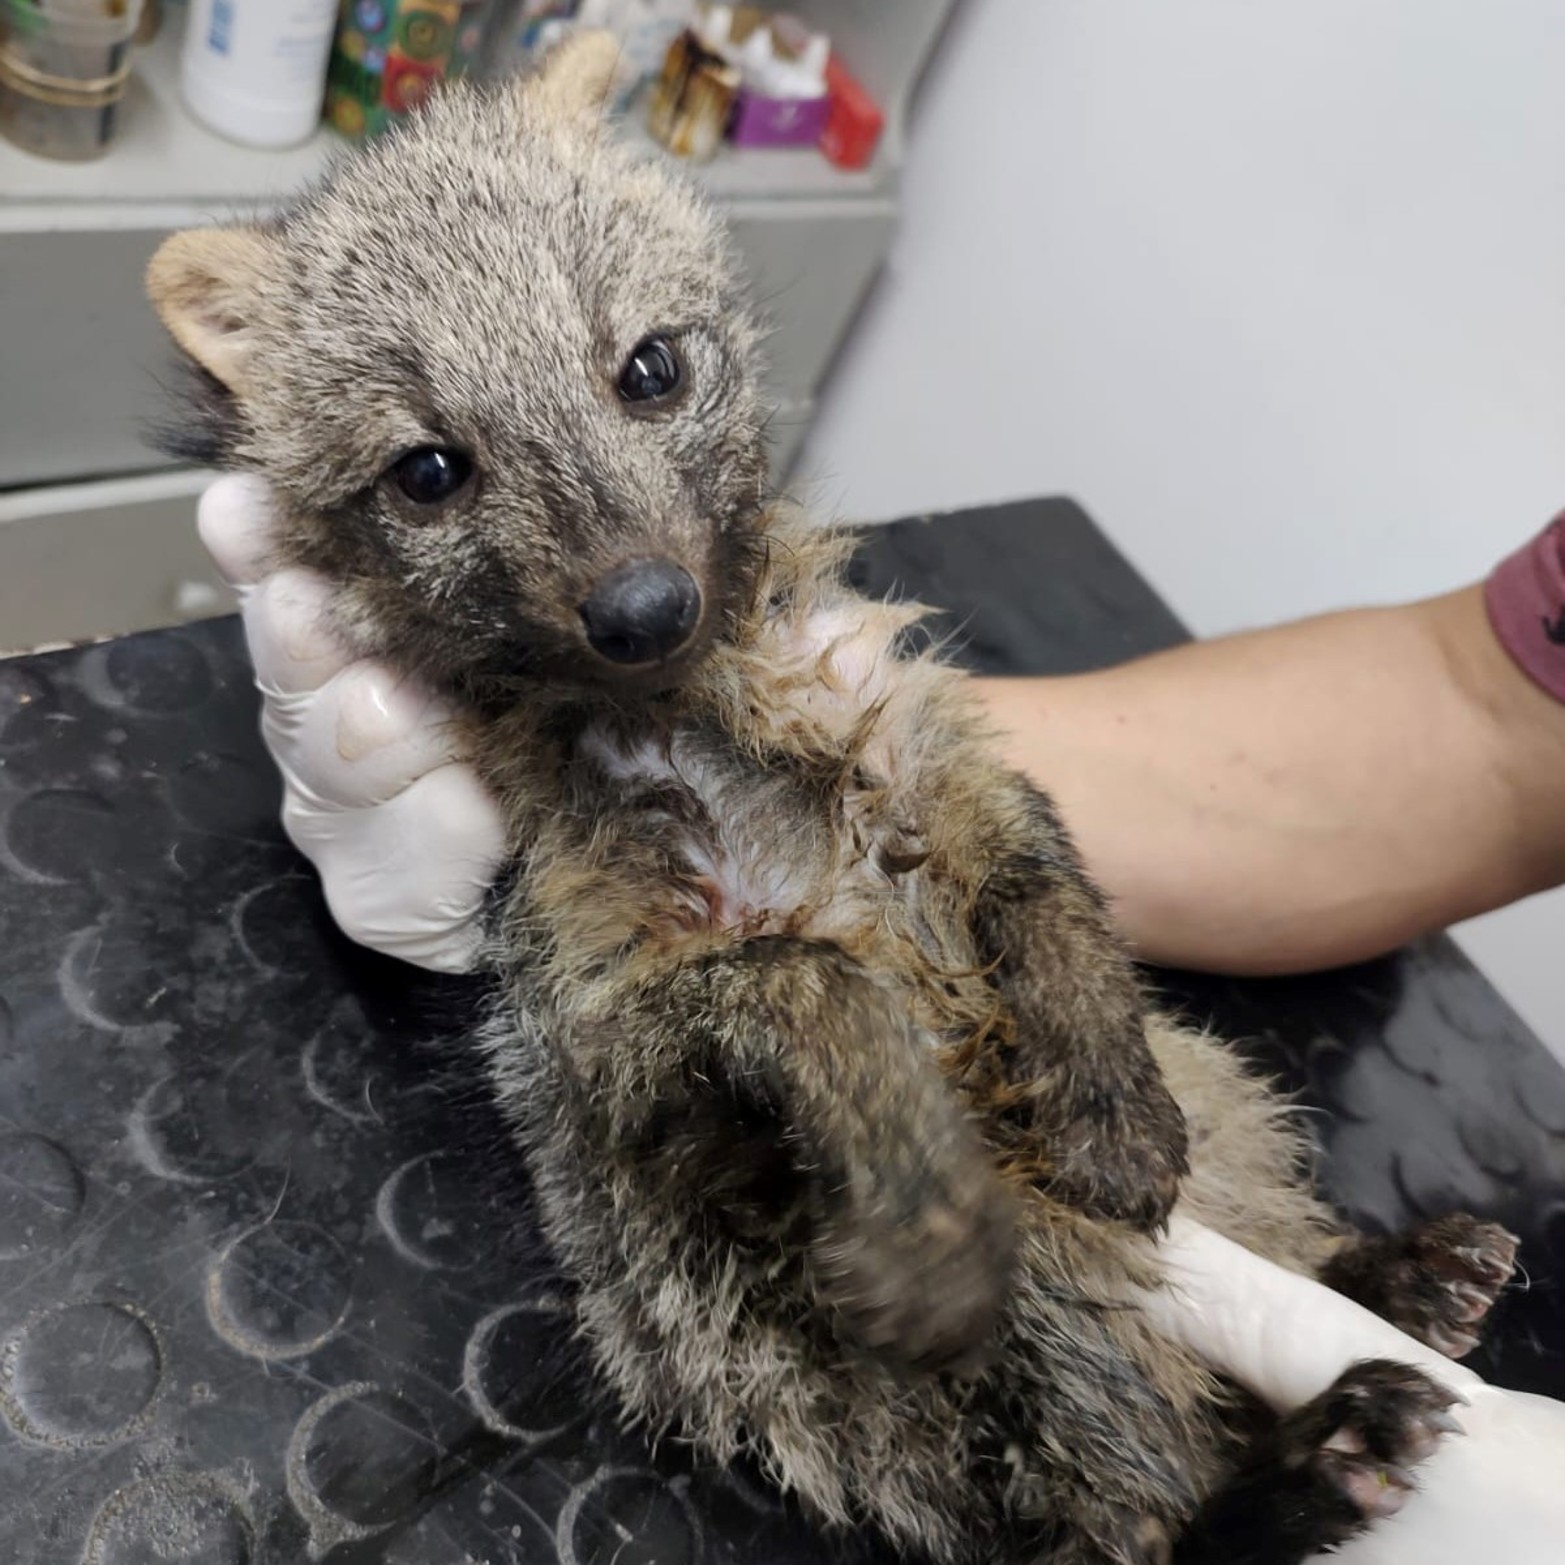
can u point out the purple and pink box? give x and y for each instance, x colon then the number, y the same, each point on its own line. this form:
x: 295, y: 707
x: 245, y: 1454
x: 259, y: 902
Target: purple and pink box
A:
x: 760, y: 121
x: 782, y: 99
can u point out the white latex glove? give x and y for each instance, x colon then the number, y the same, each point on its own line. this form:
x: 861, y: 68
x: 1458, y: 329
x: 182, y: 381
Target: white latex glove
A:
x: 401, y: 831
x: 1496, y: 1492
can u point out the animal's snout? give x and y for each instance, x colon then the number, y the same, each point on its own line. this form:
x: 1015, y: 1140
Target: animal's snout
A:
x: 642, y: 613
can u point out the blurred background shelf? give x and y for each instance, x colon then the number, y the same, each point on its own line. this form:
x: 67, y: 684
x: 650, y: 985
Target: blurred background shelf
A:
x: 165, y: 156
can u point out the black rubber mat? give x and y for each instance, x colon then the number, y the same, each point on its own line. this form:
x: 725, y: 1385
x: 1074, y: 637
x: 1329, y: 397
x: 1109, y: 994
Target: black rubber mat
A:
x: 269, y: 1287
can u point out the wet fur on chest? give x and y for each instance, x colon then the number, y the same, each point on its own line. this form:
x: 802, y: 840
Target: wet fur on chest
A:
x: 809, y: 842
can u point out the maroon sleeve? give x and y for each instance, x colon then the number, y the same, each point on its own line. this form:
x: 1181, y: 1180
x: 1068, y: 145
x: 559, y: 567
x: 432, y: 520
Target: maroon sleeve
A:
x: 1525, y: 595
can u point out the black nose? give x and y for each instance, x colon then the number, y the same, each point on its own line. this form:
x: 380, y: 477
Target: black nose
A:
x: 642, y: 613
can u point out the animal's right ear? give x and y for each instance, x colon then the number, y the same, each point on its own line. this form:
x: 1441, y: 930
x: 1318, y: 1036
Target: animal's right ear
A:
x: 205, y: 285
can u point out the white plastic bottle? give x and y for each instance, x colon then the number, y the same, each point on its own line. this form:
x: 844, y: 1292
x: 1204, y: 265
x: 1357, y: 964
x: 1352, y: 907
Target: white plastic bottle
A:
x: 255, y: 70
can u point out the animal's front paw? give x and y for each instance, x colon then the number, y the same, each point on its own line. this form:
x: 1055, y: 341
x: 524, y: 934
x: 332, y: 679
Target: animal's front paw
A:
x: 1121, y: 1158
x: 926, y: 1291
x: 1361, y: 1439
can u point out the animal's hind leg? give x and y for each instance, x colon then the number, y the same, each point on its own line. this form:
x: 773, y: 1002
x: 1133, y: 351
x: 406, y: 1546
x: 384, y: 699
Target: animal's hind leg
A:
x: 1325, y: 1473
x: 1436, y: 1283
x: 1250, y: 1179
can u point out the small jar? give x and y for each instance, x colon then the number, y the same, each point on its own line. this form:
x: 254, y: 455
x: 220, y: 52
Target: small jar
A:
x: 63, y: 69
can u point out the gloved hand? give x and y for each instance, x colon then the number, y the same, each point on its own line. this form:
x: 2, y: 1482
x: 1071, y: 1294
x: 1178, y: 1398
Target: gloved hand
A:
x: 402, y: 833
x: 1491, y: 1493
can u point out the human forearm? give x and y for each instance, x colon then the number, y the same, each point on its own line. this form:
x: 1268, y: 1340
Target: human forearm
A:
x: 1307, y: 795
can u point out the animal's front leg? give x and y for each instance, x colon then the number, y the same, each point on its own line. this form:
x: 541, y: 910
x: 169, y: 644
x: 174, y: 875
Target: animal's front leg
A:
x: 1080, y: 1071
x: 911, y: 1233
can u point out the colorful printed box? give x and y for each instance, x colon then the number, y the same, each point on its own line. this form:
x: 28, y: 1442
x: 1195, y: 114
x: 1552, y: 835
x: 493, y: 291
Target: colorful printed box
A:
x: 389, y: 54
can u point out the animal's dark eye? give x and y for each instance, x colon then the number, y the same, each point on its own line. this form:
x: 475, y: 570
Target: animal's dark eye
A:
x: 432, y: 474
x: 652, y: 373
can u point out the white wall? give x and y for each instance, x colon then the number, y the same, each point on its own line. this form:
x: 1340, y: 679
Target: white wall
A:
x: 1275, y: 288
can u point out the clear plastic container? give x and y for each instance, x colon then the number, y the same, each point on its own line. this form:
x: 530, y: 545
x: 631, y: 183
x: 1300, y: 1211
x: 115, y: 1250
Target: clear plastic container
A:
x: 63, y: 69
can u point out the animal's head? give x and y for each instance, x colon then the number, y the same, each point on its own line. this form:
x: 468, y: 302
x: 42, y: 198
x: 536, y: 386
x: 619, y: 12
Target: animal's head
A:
x: 502, y: 379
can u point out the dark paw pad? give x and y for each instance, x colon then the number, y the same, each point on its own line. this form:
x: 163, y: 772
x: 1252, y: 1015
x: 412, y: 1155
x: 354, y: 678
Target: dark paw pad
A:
x: 1363, y: 1437
x: 1447, y: 1278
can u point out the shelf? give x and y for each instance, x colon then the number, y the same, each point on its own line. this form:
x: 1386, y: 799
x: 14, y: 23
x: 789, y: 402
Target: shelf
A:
x: 740, y: 174
x: 165, y: 158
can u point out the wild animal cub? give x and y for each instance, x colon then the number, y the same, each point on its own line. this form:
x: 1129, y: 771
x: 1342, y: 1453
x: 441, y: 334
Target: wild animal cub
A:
x: 846, y: 1113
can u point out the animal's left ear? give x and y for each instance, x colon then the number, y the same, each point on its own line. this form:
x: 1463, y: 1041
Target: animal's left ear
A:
x: 576, y: 78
